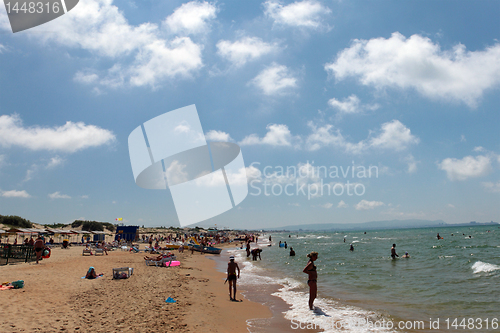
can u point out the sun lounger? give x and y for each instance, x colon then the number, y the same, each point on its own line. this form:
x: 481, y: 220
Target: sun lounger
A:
x: 99, y: 251
x: 87, y: 251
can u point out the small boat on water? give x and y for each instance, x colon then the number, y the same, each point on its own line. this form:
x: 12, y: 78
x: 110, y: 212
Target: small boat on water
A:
x: 207, y: 249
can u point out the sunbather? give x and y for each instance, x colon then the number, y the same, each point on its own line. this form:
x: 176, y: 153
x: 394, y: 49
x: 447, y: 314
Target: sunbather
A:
x: 103, y: 247
x: 91, y: 274
x: 157, y: 258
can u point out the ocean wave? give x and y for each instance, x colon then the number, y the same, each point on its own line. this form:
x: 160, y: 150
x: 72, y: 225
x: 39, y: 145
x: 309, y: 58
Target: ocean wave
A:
x: 484, y: 267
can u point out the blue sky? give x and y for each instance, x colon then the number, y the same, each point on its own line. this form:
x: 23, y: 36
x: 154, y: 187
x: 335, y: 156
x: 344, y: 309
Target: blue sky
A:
x: 407, y: 87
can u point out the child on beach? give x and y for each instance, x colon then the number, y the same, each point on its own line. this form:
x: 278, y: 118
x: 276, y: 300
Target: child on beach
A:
x: 310, y: 270
x: 232, y: 266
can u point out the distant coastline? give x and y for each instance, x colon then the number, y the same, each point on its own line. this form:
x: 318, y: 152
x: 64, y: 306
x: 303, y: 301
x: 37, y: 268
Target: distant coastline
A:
x: 378, y: 225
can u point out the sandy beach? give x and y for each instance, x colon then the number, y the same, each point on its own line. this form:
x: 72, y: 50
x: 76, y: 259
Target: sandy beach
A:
x: 55, y: 298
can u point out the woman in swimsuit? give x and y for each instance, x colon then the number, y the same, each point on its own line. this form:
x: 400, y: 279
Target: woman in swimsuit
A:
x: 310, y: 270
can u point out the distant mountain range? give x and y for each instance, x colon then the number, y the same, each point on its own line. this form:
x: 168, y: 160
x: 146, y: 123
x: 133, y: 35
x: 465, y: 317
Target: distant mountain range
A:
x: 392, y: 224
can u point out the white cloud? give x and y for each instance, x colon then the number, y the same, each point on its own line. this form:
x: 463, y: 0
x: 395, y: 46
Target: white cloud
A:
x: 3, y: 160
x: 215, y: 135
x: 468, y: 167
x: 69, y: 138
x: 364, y: 204
x: 491, y: 187
x: 2, y: 48
x: 244, y: 50
x: 166, y: 60
x: 15, y: 194
x: 479, y: 149
x: 462, y: 138
x: 30, y: 173
x: 33, y: 170
x: 450, y: 206
x: 412, y: 164
x: 241, y: 177
x: 142, y: 55
x: 393, y: 135
x: 275, y: 80
x: 84, y: 196
x: 342, y: 204
x: 58, y: 195
x: 86, y: 78
x: 191, y: 18
x: 176, y: 173
x: 417, y: 63
x: 350, y: 105
x: 324, y: 136
x: 328, y: 205
x: 277, y: 135
x: 54, y: 161
x: 305, y: 14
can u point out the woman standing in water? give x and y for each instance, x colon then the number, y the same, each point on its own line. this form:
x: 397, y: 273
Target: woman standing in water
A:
x: 310, y: 270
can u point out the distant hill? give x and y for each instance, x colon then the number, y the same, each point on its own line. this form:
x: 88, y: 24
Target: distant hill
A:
x: 392, y: 224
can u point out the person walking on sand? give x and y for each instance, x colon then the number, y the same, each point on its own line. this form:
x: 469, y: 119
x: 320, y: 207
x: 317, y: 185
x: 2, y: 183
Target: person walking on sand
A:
x: 310, y: 270
x: 393, y: 252
x: 39, y: 246
x: 232, y: 266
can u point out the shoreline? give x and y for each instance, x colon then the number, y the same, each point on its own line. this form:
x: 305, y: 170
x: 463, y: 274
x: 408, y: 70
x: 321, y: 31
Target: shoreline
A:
x: 262, y: 293
x: 56, y: 298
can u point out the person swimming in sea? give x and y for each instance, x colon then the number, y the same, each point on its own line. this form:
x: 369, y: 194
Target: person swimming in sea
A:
x: 310, y: 270
x: 406, y: 255
x: 351, y: 248
x: 292, y: 252
x: 393, y: 252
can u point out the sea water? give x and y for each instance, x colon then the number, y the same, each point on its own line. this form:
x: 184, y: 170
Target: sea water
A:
x: 442, y: 283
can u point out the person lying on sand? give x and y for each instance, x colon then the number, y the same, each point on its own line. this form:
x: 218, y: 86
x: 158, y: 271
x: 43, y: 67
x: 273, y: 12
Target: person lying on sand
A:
x: 91, y: 274
x: 159, y: 257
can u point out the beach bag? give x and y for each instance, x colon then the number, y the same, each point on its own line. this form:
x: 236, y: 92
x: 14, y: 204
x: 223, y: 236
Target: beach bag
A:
x: 46, y: 253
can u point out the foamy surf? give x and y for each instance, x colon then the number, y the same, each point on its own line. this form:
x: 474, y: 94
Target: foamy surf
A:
x: 328, y: 315
x: 484, y: 267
